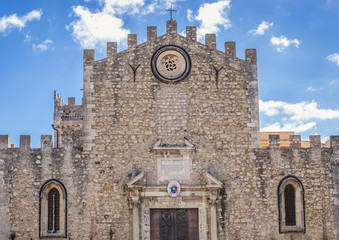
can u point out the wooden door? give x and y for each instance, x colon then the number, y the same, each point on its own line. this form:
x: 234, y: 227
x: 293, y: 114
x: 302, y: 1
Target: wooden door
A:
x: 174, y: 224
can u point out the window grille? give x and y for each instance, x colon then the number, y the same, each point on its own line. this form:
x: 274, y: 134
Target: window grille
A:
x: 289, y: 194
x: 53, y: 210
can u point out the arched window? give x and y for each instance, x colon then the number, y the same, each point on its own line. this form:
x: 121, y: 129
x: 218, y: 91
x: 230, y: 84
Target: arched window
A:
x: 291, y: 205
x: 53, y: 215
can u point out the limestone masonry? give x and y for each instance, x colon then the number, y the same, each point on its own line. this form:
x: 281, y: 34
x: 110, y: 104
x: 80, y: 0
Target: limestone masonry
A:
x: 167, y: 109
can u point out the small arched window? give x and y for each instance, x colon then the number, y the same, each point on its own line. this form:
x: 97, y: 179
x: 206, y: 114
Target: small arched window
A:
x: 291, y: 205
x: 53, y: 215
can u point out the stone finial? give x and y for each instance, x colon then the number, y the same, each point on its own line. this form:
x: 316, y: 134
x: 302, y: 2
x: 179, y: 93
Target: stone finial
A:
x: 132, y: 40
x: 315, y: 141
x: 251, y: 56
x: 46, y: 142
x: 25, y: 142
x: 151, y: 33
x: 112, y: 48
x: 295, y: 141
x: 230, y: 49
x: 71, y: 101
x: 211, y: 41
x: 4, y: 142
x: 171, y: 26
x: 274, y: 141
x: 191, y: 33
x: 89, y: 55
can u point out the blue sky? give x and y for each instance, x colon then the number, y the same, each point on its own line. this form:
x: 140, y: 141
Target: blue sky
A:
x: 41, y: 45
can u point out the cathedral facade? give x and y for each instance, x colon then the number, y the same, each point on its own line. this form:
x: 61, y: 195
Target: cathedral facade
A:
x: 165, y: 146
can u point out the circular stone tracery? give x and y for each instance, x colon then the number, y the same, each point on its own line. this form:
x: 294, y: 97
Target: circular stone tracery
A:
x: 170, y: 64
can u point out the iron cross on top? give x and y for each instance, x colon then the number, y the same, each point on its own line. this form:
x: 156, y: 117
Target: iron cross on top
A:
x: 171, y: 10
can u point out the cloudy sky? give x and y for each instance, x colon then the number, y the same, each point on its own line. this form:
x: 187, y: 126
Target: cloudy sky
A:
x: 41, y: 45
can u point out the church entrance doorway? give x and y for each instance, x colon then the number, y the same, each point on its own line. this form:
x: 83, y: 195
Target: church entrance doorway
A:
x: 174, y: 224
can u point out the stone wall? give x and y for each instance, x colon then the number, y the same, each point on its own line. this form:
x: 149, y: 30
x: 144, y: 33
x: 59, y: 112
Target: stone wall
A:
x: 130, y: 122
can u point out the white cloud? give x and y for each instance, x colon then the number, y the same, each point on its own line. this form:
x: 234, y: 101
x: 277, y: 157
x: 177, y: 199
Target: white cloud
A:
x: 28, y: 38
x: 212, y: 16
x: 283, y: 42
x: 96, y: 29
x: 334, y: 82
x: 13, y: 21
x: 298, y: 117
x: 190, y: 15
x: 158, y: 6
x: 302, y: 111
x: 333, y: 58
x: 287, y: 127
x: 44, y: 46
x: 122, y: 6
x: 261, y: 28
x: 311, y: 89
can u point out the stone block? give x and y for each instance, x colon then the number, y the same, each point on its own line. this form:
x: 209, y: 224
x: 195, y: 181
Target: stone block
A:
x: 25, y: 142
x: 251, y: 56
x: 230, y: 49
x: 4, y: 142
x: 295, y: 141
x: 210, y: 41
x: 151, y: 33
x: 132, y: 41
x: 191, y: 33
x: 315, y: 141
x: 274, y: 141
x: 112, y: 48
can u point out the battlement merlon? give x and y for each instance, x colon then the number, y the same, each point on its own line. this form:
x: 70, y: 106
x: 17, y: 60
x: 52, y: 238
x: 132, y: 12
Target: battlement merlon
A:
x: 295, y: 142
x: 25, y: 142
x: 171, y: 28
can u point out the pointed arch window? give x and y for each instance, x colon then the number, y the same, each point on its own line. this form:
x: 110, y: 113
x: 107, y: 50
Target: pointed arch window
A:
x: 291, y: 205
x: 53, y: 210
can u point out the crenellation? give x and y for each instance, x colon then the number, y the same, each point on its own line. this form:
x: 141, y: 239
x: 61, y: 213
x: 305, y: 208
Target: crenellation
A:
x: 46, y: 142
x: 112, y: 49
x: 132, y: 41
x: 25, y: 142
x: 251, y: 56
x: 4, y: 142
x: 210, y: 41
x: 315, y: 141
x: 191, y: 33
x: 71, y: 101
x: 151, y: 34
x: 230, y: 50
x: 274, y: 141
x: 171, y: 27
x: 89, y: 57
x: 295, y: 141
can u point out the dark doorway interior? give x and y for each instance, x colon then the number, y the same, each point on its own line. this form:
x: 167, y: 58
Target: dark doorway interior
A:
x: 174, y: 224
